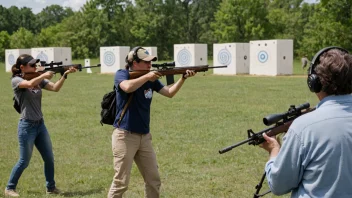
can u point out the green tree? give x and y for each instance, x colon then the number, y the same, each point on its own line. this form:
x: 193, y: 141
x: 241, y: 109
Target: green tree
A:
x: 22, y: 38
x: 287, y: 19
x: 52, y: 15
x: 328, y: 26
x: 4, y: 43
x: 241, y: 21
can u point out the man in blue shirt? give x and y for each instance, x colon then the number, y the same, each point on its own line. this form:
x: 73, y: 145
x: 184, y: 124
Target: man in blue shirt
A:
x: 131, y: 138
x: 315, y: 158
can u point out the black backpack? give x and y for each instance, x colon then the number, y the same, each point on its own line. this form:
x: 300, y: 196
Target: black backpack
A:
x: 108, y: 108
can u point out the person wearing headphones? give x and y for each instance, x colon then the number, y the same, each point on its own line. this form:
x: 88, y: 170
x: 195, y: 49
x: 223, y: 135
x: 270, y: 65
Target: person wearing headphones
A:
x: 131, y: 138
x: 31, y: 127
x: 315, y: 157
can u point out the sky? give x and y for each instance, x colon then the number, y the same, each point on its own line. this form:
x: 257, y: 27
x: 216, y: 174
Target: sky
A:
x: 38, y: 5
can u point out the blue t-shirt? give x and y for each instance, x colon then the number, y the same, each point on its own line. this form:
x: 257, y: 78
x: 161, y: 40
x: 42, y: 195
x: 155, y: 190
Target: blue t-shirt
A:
x: 137, y: 115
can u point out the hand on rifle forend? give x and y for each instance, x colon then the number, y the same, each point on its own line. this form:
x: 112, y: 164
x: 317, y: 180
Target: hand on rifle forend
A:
x: 70, y: 70
x: 189, y: 73
x: 271, y: 145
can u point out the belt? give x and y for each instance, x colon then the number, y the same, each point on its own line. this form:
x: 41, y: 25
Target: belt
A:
x: 34, y: 121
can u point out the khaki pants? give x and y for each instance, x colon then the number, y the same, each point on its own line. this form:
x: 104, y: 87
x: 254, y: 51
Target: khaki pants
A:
x: 126, y: 147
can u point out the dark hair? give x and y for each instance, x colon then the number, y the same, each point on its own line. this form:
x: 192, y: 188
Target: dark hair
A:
x: 127, y: 66
x: 335, y: 72
x: 16, y: 70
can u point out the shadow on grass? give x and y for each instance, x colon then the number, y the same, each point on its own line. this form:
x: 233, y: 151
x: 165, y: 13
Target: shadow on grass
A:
x: 82, y: 193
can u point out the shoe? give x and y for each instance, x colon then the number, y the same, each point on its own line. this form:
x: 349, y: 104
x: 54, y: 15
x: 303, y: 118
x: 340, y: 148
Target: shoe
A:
x: 54, y: 191
x: 11, y: 193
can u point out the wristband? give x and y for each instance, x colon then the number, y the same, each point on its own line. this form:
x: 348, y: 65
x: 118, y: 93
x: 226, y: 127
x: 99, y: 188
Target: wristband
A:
x: 65, y: 76
x: 183, y: 76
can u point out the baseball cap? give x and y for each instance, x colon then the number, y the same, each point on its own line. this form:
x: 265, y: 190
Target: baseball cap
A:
x: 142, y: 54
x: 28, y: 60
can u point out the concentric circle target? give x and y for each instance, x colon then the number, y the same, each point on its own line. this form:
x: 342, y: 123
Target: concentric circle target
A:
x: 11, y: 59
x: 184, y: 57
x: 224, y: 57
x: 263, y: 56
x: 109, y: 58
x: 42, y: 56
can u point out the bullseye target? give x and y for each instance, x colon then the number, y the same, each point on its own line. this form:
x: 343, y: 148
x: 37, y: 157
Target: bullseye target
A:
x: 42, y: 56
x: 109, y: 58
x: 11, y: 59
x: 184, y: 57
x: 224, y: 57
x: 263, y: 56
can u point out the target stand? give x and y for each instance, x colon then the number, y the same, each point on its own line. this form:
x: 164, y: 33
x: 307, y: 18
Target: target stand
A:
x: 86, y: 64
x: 11, y: 56
x: 190, y: 54
x: 234, y: 55
x: 271, y: 57
x: 113, y: 58
x: 56, y: 54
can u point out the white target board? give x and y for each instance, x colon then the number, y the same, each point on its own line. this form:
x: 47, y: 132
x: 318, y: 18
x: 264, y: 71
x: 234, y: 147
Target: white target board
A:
x: 11, y: 56
x: 190, y: 54
x: 152, y: 50
x: 113, y: 58
x: 56, y: 54
x: 271, y: 57
x: 234, y: 55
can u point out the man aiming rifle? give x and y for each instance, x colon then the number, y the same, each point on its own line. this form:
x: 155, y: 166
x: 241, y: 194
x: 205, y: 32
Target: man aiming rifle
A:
x: 315, y: 157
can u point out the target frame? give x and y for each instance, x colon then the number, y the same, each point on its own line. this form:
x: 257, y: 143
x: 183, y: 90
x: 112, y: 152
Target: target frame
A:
x: 109, y: 58
x: 184, y: 57
x: 263, y: 56
x: 11, y: 59
x: 224, y: 57
x: 42, y: 57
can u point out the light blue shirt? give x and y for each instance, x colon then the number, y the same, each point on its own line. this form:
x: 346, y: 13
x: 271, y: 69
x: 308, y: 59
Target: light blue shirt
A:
x: 315, y: 159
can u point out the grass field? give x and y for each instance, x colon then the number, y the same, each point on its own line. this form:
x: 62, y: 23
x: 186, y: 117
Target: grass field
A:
x: 209, y: 113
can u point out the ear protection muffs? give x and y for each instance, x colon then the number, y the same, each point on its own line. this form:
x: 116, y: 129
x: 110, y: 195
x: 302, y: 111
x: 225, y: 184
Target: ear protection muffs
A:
x: 313, y: 80
x: 135, y: 55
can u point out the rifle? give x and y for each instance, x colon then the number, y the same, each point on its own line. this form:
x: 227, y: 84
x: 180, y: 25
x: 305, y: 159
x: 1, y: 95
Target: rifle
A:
x: 282, y: 123
x: 165, y: 70
x: 59, y: 68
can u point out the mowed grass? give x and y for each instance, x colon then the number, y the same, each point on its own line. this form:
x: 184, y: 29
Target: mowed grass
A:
x: 209, y: 113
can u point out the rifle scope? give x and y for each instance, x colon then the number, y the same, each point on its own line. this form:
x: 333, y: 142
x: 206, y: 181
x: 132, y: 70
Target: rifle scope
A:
x: 292, y: 111
x: 52, y: 63
x: 167, y: 64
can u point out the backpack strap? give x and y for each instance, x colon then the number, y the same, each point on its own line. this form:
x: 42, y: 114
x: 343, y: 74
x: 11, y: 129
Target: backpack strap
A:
x: 125, y: 108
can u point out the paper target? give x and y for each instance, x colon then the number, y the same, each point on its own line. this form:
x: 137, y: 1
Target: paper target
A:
x: 42, y: 56
x: 224, y: 57
x: 109, y: 58
x: 184, y: 57
x: 11, y: 59
x: 263, y: 56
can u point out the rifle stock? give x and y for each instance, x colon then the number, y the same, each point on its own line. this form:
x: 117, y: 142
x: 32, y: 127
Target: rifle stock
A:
x: 172, y: 71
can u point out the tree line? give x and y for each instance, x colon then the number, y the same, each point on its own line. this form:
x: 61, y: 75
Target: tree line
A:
x: 163, y: 23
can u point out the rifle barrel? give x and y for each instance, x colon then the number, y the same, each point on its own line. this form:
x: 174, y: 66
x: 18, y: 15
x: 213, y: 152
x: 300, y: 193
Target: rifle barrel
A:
x: 229, y: 148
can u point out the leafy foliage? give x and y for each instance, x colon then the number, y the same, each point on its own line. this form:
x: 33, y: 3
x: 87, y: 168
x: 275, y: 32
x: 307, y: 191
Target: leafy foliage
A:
x: 163, y: 23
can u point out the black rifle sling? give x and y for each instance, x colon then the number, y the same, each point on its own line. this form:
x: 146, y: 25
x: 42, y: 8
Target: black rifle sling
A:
x: 124, y: 109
